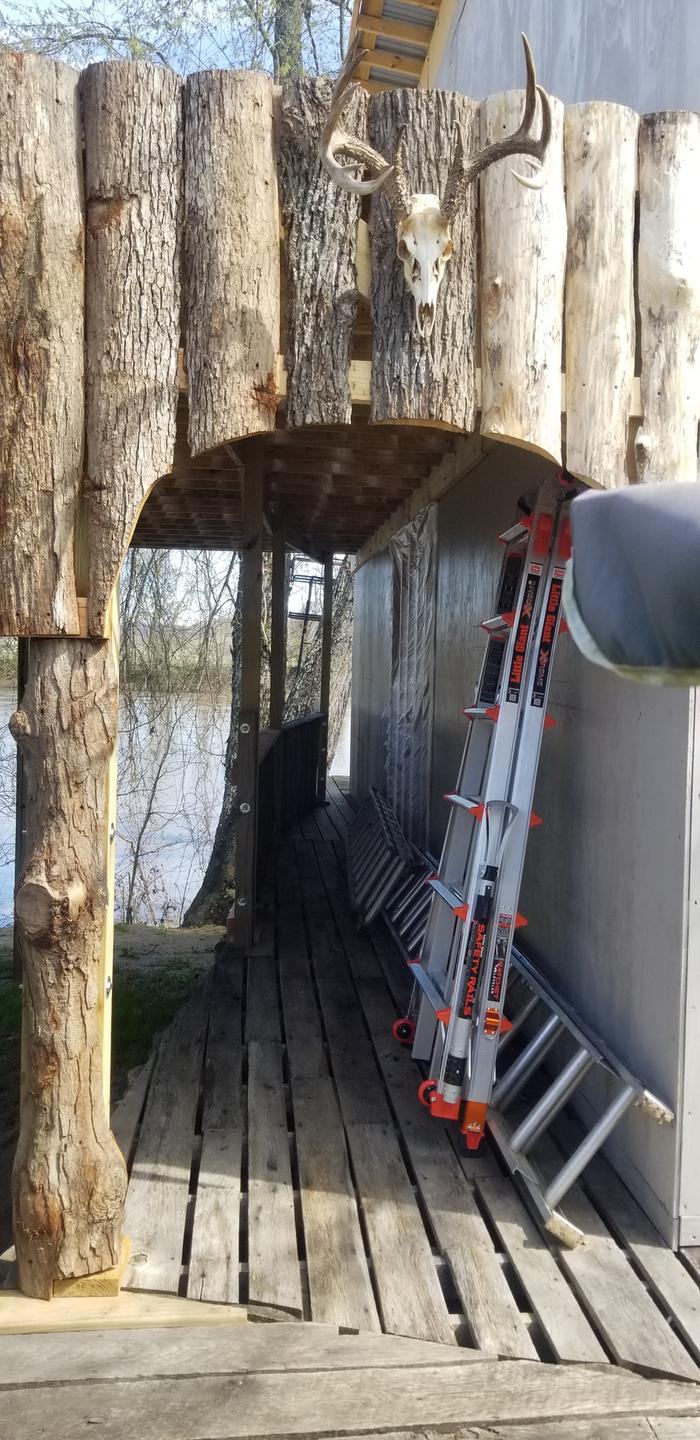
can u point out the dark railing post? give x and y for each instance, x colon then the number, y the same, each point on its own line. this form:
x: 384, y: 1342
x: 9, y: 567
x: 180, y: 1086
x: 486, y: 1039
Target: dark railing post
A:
x: 326, y: 640
x: 278, y: 629
x: 242, y: 919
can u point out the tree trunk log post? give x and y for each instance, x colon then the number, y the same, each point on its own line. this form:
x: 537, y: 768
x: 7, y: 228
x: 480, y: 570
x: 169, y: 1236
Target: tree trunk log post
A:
x: 523, y: 260
x: 69, y: 1179
x: 326, y: 651
x: 41, y: 344
x: 278, y: 628
x: 243, y: 915
x: 424, y: 381
x: 133, y: 159
x: 232, y: 261
x: 600, y: 144
x: 669, y: 296
x: 320, y: 244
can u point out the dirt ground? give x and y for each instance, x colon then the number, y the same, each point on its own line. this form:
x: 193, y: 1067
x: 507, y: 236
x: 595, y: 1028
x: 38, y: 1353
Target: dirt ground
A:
x: 154, y: 972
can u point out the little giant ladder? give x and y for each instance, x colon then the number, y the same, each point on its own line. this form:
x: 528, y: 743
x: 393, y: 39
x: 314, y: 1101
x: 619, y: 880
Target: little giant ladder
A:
x: 461, y: 977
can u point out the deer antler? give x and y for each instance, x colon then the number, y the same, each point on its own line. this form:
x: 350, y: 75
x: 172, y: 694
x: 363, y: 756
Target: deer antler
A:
x: 519, y: 143
x: 336, y: 141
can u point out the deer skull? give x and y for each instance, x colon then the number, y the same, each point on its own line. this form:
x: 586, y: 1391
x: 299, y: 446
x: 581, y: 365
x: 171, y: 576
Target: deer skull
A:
x: 423, y: 221
x: 424, y: 245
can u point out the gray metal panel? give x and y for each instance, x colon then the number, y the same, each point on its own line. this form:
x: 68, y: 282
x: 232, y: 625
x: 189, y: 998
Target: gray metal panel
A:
x: 371, y: 673
x: 641, y: 53
x: 689, y: 1202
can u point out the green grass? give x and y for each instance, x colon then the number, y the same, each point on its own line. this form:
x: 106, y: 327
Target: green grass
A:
x: 10, y: 996
x: 144, y: 1002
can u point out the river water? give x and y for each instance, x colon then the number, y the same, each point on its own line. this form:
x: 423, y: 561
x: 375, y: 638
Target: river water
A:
x: 168, y: 825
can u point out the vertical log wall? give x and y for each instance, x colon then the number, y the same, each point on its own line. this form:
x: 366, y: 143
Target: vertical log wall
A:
x: 600, y: 142
x: 415, y: 379
x: 523, y: 260
x: 669, y: 296
x: 320, y: 234
x: 41, y: 343
x: 232, y: 256
x: 133, y: 160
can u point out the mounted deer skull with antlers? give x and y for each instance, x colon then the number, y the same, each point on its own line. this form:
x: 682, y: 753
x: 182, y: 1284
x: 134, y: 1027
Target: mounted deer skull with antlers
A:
x: 424, y: 222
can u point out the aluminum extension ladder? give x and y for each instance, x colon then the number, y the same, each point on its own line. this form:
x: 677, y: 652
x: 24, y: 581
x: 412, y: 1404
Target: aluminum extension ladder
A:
x: 461, y: 976
x: 468, y: 963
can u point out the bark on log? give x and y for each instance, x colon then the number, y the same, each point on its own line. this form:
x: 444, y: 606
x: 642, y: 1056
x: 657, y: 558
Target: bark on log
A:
x: 600, y: 143
x: 232, y: 256
x: 414, y: 379
x: 523, y: 259
x: 133, y: 156
x: 41, y: 344
x: 69, y: 1179
x: 669, y: 296
x: 320, y: 243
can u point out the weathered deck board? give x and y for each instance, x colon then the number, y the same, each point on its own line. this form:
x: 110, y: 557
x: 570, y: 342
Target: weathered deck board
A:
x: 274, y: 1277
x: 668, y: 1278
x: 339, y: 1281
x: 617, y: 1302
x: 223, y: 1407
x: 214, y: 1266
x: 159, y: 1189
x: 488, y: 1303
x: 211, y: 1350
x: 561, y: 1317
x: 410, y: 1298
x: 393, y: 1225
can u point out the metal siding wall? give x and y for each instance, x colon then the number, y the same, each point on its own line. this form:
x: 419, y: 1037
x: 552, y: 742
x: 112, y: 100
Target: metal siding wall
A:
x: 371, y: 673
x: 606, y: 875
x: 641, y: 53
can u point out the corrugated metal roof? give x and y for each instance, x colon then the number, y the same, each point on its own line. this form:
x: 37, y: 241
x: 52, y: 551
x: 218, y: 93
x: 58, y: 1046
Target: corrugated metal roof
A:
x: 390, y: 77
x: 412, y: 14
x: 399, y: 47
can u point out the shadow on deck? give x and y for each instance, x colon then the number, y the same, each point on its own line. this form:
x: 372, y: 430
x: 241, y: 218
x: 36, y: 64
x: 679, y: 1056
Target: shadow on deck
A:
x: 281, y: 1160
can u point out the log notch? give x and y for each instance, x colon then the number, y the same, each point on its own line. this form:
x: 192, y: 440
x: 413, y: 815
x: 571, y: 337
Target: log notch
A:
x: 523, y: 258
x: 69, y: 1179
x: 133, y: 158
x: 600, y: 144
x: 320, y: 235
x: 41, y: 344
x: 414, y: 379
x: 666, y: 447
x: 232, y: 256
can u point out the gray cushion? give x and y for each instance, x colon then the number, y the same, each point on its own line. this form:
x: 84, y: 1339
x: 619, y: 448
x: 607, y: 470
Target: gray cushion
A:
x: 632, y: 591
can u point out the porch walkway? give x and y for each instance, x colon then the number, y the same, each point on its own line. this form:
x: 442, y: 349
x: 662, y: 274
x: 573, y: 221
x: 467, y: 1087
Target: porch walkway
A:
x: 281, y: 1160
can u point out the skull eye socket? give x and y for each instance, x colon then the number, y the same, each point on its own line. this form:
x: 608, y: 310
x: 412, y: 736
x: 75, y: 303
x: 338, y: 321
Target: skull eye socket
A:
x: 416, y: 270
x: 402, y: 249
x: 447, y: 250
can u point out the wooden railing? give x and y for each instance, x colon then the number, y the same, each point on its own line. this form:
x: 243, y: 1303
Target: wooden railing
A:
x: 288, y: 778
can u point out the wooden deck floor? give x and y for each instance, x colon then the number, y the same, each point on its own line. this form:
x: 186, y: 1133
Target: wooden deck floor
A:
x: 281, y: 1160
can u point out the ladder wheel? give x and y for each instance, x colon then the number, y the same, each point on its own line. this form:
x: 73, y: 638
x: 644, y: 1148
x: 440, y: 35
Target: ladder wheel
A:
x: 404, y: 1030
x: 427, y: 1093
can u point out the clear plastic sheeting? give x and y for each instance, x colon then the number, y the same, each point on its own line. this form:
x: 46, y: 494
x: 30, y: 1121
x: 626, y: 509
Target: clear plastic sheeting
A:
x: 410, y: 722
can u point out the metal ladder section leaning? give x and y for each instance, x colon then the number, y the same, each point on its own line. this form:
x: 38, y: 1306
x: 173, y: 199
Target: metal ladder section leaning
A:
x: 461, y: 974
x: 464, y: 930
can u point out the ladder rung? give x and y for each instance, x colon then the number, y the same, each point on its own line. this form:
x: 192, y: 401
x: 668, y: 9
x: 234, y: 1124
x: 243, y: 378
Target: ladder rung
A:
x: 483, y: 712
x: 434, y: 996
x: 470, y: 803
x: 451, y: 898
x: 519, y: 531
x: 499, y: 623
